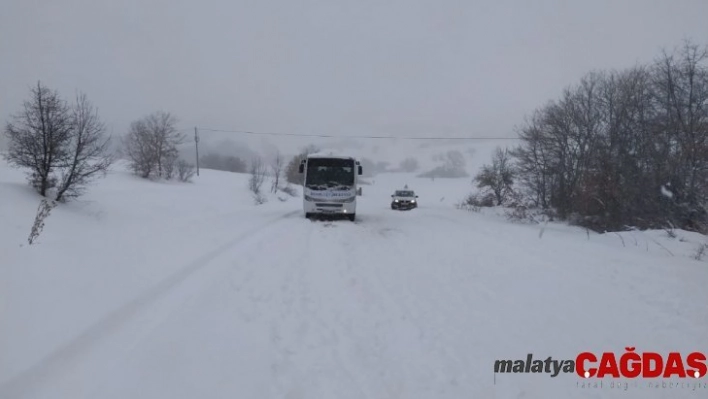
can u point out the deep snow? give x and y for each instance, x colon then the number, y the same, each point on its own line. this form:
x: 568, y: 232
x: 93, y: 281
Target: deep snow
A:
x: 167, y: 290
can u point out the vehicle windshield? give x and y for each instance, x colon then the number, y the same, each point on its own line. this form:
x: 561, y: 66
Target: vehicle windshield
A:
x: 405, y: 194
x: 330, y: 173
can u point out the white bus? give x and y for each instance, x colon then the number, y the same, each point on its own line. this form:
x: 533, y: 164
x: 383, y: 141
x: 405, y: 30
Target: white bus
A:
x: 330, y: 185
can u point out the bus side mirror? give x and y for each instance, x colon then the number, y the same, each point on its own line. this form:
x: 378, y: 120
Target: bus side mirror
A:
x: 360, y: 170
x: 301, y: 168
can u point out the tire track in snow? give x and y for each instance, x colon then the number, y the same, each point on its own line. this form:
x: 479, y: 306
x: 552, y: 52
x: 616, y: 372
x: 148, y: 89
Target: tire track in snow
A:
x: 430, y: 275
x: 233, y: 313
x: 337, y: 331
x: 440, y: 380
x: 58, y: 365
x: 362, y: 329
x: 307, y: 363
x: 279, y: 292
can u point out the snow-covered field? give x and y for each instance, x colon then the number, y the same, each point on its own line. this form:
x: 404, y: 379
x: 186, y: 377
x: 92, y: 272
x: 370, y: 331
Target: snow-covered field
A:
x: 167, y: 290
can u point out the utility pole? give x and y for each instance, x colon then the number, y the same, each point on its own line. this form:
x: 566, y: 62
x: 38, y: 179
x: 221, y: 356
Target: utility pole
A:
x: 196, y: 146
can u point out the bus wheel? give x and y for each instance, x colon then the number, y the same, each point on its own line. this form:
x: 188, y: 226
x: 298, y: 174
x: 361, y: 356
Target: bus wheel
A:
x: 352, y: 217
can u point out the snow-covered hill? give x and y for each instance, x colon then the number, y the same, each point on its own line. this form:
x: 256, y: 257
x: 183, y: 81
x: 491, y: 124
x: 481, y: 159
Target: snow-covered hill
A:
x: 174, y: 290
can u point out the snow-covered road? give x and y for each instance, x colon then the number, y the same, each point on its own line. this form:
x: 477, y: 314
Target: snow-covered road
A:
x: 414, y: 304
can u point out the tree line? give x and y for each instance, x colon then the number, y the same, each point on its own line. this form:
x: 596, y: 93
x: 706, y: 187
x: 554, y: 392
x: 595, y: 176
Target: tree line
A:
x: 619, y: 149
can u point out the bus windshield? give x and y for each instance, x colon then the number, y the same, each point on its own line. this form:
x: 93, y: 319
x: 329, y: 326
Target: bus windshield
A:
x: 330, y: 173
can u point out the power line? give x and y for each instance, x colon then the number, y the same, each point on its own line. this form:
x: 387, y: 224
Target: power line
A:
x: 354, y: 137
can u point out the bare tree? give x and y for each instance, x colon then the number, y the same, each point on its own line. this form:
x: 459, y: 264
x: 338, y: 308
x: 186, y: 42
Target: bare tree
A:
x: 497, y: 177
x: 38, y: 137
x: 139, y: 149
x: 166, y: 138
x: 681, y: 91
x: 258, y: 172
x: 63, y: 146
x: 533, y: 161
x: 87, y: 153
x: 277, y: 170
x: 151, y: 145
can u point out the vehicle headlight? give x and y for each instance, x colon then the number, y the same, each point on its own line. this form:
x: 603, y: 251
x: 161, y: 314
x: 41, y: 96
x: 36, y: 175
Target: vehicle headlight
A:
x: 395, y: 200
x: 413, y: 201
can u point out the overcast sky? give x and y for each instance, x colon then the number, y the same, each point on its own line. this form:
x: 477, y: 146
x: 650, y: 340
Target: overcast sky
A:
x: 393, y: 67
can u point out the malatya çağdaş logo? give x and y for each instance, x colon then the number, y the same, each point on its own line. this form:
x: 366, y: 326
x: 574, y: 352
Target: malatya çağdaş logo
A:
x: 630, y: 364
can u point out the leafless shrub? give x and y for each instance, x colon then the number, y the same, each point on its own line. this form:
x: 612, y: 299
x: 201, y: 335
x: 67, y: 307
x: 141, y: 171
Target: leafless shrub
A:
x: 478, y: 200
x: 498, y: 178
x: 277, y: 170
x: 259, y: 199
x: 289, y: 190
x: 523, y: 214
x: 700, y: 252
x: 185, y: 171
x: 518, y: 214
x: 45, y: 207
x: 472, y: 203
x: 258, y: 173
x: 467, y: 207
